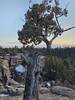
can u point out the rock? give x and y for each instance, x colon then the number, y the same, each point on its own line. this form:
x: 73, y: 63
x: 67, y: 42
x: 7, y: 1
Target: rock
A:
x: 48, y: 85
x: 64, y: 91
x: 53, y: 83
x: 21, y: 86
x: 4, y: 71
x: 50, y: 96
x: 11, y: 90
x: 3, y: 90
x: 44, y: 90
x: 13, y: 82
x: 14, y: 91
x: 20, y: 90
x: 5, y: 65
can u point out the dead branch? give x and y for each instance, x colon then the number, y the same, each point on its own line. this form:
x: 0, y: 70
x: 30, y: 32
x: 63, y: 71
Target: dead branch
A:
x: 68, y: 29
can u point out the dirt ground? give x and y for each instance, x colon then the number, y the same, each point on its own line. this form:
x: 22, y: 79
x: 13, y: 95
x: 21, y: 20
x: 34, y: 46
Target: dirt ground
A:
x: 48, y: 96
x: 51, y: 96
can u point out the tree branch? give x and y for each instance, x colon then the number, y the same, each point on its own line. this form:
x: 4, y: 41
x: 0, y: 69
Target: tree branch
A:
x: 68, y: 29
x: 58, y: 34
x: 57, y: 21
x: 25, y: 59
x: 44, y: 39
x: 50, y: 42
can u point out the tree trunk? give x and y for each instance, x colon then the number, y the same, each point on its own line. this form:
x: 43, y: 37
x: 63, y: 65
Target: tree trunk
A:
x: 48, y: 46
x: 35, y: 90
x: 48, y: 43
x: 31, y: 84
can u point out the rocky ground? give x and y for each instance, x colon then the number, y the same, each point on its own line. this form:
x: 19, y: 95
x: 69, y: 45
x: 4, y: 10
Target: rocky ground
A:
x: 48, y: 96
x: 45, y: 95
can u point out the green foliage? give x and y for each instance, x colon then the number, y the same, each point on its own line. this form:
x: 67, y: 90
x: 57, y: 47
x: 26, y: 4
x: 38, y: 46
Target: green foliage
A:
x: 59, y: 68
x: 41, y: 21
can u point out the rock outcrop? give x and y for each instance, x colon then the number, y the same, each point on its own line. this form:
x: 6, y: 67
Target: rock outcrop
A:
x: 14, y: 90
x: 64, y: 91
x: 44, y: 90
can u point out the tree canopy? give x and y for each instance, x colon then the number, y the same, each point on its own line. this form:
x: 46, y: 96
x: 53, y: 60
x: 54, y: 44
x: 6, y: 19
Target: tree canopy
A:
x: 42, y: 23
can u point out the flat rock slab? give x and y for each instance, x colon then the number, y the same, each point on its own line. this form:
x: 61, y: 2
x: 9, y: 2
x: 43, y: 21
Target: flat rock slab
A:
x: 64, y: 91
x: 50, y: 96
x: 44, y: 90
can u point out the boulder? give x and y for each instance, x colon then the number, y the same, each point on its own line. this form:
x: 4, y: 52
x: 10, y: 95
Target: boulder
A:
x: 44, y: 90
x: 13, y: 82
x: 64, y: 91
x: 14, y: 91
x: 3, y: 90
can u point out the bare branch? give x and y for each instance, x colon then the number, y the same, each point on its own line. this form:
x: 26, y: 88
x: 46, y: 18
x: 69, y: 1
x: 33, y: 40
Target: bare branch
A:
x: 56, y: 16
x: 57, y: 21
x: 58, y: 34
x: 56, y: 2
x: 26, y: 59
x: 68, y: 29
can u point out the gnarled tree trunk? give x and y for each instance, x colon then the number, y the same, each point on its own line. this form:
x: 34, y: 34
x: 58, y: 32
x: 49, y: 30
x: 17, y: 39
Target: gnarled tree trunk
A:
x: 31, y: 84
x: 48, y: 47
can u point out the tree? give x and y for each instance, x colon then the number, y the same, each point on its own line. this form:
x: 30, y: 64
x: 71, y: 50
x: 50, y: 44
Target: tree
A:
x: 41, y: 24
x: 31, y: 84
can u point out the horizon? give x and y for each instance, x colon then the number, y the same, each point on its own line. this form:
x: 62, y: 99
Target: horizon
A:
x: 12, y: 16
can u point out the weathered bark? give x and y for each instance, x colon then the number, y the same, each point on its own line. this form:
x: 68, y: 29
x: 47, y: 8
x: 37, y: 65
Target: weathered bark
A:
x: 31, y: 84
x: 49, y: 43
x: 35, y: 90
x: 4, y: 78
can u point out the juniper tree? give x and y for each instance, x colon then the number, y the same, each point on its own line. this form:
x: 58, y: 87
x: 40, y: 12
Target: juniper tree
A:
x: 41, y: 24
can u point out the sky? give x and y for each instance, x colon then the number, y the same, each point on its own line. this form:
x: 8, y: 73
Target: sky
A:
x: 12, y: 19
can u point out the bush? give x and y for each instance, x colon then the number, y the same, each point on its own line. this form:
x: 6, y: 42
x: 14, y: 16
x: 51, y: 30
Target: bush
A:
x: 57, y: 68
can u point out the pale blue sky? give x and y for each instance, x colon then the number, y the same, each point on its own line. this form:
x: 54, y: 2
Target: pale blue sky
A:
x: 11, y: 15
